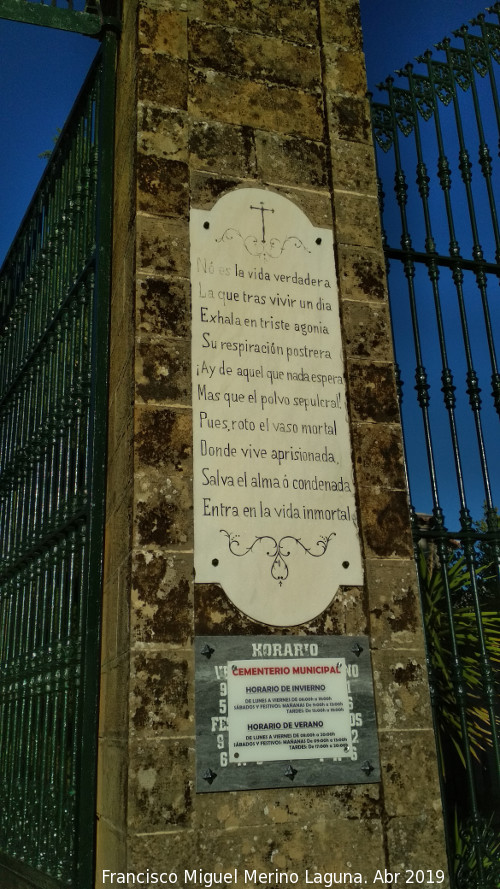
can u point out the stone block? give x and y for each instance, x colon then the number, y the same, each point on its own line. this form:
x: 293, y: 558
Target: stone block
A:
x: 372, y: 392
x: 160, y: 75
x: 357, y: 219
x: 367, y: 331
x: 113, y: 702
x: 162, y: 132
x: 161, y: 694
x: 112, y: 782
x: 163, y: 495
x: 223, y: 148
x: 385, y: 523
x: 254, y: 56
x: 378, y: 456
x: 409, y: 772
x: 278, y: 807
x: 162, y: 598
x: 162, y: 186
x: 117, y: 534
x: 341, y: 23
x: 249, y: 103
x: 111, y: 850
x: 295, y: 21
x: 353, y: 167
x: 362, y: 273
x: 162, y: 246
x: 345, y: 72
x: 291, y: 159
x: 163, y: 307
x: 395, y: 613
x: 163, y: 371
x: 163, y: 32
x: 206, y: 188
x: 401, y: 691
x: 160, y: 791
x: 349, y: 118
x: 416, y: 842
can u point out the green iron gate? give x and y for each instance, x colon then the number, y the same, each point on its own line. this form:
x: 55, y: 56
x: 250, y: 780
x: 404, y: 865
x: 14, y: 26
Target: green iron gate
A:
x: 436, y: 137
x: 54, y: 305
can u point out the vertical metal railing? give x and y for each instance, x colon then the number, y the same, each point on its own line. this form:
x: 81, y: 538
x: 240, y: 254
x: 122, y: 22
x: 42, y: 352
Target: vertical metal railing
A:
x: 437, y: 138
x: 54, y: 304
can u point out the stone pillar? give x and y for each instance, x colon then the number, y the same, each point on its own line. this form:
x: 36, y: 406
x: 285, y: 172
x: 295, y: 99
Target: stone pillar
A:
x: 215, y: 95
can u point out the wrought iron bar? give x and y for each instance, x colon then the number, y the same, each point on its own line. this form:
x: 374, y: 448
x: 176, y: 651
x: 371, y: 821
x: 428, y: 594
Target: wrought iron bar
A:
x: 460, y: 572
x: 54, y: 288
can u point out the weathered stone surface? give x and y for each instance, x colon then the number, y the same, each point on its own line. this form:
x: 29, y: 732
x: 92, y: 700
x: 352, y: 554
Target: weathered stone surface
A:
x: 162, y: 598
x: 163, y: 307
x: 117, y: 535
x: 361, y: 273
x: 395, y: 615
x: 353, y: 167
x: 401, y: 690
x: 163, y: 32
x: 163, y: 478
x: 291, y: 159
x: 269, y: 106
x: 400, y: 753
x: 379, y: 455
x: 111, y: 849
x: 296, y: 21
x: 114, y: 698
x: 161, y: 694
x: 367, y: 330
x: 113, y: 766
x: 344, y: 71
x: 163, y: 372
x: 253, y: 56
x: 385, y: 524
x: 372, y: 392
x: 161, y: 77
x: 162, y: 246
x: 160, y: 794
x: 162, y: 132
x: 357, y: 219
x: 288, y: 807
x: 162, y: 186
x: 358, y: 847
x: 215, y: 614
x: 341, y: 23
x: 349, y: 118
x: 416, y: 842
x: 229, y: 150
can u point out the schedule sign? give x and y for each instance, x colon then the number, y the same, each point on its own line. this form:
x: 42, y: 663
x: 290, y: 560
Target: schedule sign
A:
x: 297, y: 709
x: 272, y: 711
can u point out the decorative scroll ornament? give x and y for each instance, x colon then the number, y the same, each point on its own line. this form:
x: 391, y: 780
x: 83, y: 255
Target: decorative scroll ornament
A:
x: 263, y: 248
x: 277, y: 551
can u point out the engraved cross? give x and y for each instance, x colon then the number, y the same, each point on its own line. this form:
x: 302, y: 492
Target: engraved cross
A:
x: 262, y: 211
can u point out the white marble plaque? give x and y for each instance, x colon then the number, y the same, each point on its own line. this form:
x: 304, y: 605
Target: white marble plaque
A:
x: 274, y: 506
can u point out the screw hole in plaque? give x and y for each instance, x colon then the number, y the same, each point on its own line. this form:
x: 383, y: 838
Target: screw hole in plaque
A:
x: 215, y: 562
x: 345, y: 564
x: 206, y: 225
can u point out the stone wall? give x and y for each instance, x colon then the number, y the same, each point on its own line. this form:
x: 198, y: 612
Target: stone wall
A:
x: 212, y: 95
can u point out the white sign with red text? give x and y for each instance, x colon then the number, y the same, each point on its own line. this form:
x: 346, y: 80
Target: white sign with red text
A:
x: 293, y: 709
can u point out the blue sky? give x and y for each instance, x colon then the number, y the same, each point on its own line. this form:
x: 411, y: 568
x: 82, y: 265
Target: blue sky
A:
x: 396, y: 31
x: 42, y: 70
